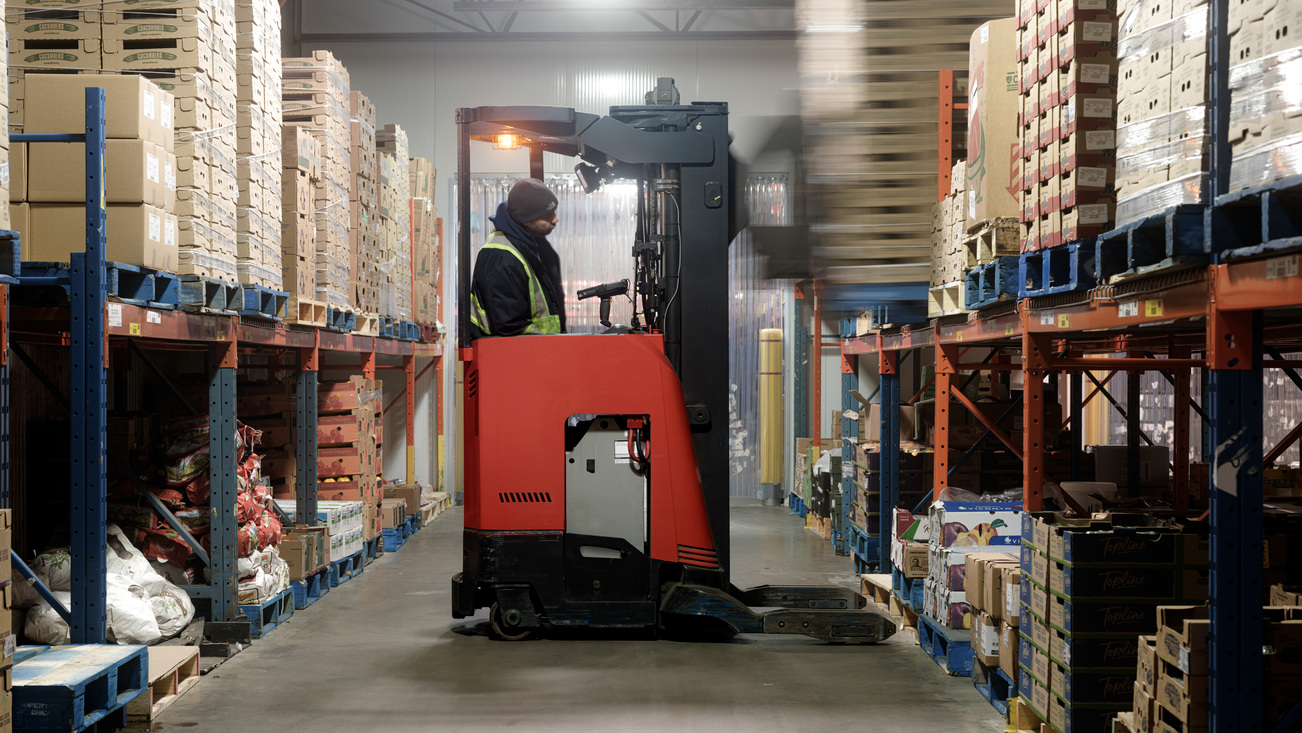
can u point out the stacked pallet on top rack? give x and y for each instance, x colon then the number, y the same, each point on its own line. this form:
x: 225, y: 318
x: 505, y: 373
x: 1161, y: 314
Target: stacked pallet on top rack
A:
x: 426, y: 230
x: 364, y: 194
x: 395, y: 220
x: 258, y: 119
x: 315, y: 94
x: 300, y: 174
x: 948, y: 257
x: 140, y: 190
x: 1265, y: 114
x: 873, y: 112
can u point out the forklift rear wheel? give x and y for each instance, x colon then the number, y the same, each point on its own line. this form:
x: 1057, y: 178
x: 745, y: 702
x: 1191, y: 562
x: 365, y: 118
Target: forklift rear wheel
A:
x: 504, y: 628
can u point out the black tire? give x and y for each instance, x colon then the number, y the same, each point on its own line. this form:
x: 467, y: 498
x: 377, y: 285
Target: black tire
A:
x: 500, y: 629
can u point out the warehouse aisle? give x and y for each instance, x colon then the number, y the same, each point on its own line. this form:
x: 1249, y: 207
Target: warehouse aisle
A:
x: 382, y: 653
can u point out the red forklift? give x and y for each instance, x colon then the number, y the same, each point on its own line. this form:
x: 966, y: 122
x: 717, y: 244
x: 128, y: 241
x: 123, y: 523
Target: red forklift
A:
x: 596, y: 466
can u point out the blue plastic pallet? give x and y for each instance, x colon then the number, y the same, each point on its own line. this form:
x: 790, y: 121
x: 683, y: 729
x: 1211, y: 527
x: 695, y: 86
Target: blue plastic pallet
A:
x: 260, y: 302
x: 413, y: 524
x: 71, y: 688
x: 950, y: 648
x: 797, y: 504
x: 373, y: 549
x: 385, y: 327
x: 994, y: 685
x: 340, y: 319
x: 1062, y: 269
x: 394, y: 538
x: 991, y: 283
x: 341, y: 571
x: 908, y: 590
x: 1256, y: 221
x: 863, y: 544
x: 310, y: 589
x: 406, y: 331
x: 1173, y: 238
x: 11, y: 253
x: 127, y: 283
x: 266, y: 616
x: 206, y: 295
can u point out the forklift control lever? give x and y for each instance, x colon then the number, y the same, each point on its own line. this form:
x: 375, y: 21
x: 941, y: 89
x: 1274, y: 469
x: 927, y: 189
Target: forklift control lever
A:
x: 605, y: 291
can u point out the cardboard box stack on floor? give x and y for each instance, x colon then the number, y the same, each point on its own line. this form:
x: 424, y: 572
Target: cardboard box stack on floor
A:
x: 315, y: 94
x: 1067, y: 63
x: 300, y: 175
x: 258, y: 148
x: 991, y: 586
x: 427, y: 229
x: 367, y: 233
x: 349, y: 436
x: 141, y: 170
x: 957, y: 529
x: 1089, y: 589
x: 1162, y: 143
x: 1265, y: 111
x: 395, y: 214
x: 948, y: 257
x: 342, y: 521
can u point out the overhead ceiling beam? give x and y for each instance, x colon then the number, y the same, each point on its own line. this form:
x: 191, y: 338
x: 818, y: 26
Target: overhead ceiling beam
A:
x: 322, y: 38
x: 475, y: 6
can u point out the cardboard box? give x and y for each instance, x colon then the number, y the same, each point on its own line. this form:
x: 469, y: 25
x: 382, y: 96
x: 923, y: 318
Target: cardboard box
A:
x: 915, y: 560
x: 137, y: 235
x: 1146, y: 666
x: 1012, y: 578
x: 297, y: 554
x: 137, y: 172
x: 18, y: 173
x: 994, y: 147
x: 136, y: 108
x: 393, y: 512
x: 1281, y: 595
x: 976, y: 526
x: 992, y: 586
x: 347, y: 461
x: 410, y: 493
x: 343, y: 429
x: 54, y: 53
x: 1183, y: 638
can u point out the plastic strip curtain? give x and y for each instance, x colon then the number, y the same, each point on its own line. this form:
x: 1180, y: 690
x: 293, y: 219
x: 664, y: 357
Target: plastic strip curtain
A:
x: 595, y: 239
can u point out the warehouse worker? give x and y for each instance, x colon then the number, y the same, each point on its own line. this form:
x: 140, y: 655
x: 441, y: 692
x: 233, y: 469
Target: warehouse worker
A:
x: 516, y: 288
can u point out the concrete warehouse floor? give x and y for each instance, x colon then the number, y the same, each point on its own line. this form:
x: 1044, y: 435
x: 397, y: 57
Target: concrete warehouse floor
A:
x: 382, y: 653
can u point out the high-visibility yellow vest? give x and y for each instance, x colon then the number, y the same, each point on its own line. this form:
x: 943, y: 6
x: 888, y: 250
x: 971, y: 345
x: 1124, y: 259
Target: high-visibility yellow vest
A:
x: 541, y: 321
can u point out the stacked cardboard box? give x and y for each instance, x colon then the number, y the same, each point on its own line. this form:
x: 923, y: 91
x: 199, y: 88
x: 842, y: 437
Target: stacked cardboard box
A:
x: 305, y: 549
x: 957, y: 529
x: 1265, y: 111
x: 914, y: 482
x: 367, y: 233
x: 49, y: 36
x: 427, y: 229
x: 396, y: 213
x: 349, y: 438
x: 910, y: 535
x: 258, y: 134
x: 994, y: 163
x: 1067, y: 64
x: 300, y: 174
x: 948, y: 256
x: 140, y: 186
x: 869, y: 90
x: 992, y: 587
x: 1089, y: 589
x: 315, y: 93
x: 1162, y: 144
x: 343, y: 522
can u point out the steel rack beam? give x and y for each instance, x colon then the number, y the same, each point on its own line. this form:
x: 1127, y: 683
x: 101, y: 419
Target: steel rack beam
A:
x: 1006, y: 328
x: 1112, y: 308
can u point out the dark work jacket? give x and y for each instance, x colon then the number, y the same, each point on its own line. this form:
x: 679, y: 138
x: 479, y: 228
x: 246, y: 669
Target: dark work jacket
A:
x: 502, y: 285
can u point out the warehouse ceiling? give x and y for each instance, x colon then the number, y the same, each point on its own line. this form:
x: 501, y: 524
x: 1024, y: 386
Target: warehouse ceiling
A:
x: 324, y: 21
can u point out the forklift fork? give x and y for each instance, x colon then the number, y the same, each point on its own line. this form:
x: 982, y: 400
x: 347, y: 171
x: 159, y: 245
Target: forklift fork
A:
x: 831, y: 624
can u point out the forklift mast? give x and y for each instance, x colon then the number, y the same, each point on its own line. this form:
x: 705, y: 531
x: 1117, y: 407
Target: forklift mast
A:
x: 678, y: 156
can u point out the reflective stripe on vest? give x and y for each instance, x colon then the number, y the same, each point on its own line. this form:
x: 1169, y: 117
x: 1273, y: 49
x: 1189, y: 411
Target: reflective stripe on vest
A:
x: 541, y: 320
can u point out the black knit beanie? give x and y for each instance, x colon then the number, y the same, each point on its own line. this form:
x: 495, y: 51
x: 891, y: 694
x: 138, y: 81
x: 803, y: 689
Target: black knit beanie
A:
x: 530, y: 200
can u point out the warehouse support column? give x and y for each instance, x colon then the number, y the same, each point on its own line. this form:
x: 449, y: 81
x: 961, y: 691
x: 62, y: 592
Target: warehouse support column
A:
x: 889, y: 456
x: 222, y: 475
x: 1077, y: 414
x: 1234, y: 345
x: 946, y: 370
x: 771, y: 418
x: 1134, y: 429
x: 849, y: 433
x: 1035, y: 366
x: 5, y: 499
x: 88, y: 395
x: 1180, y: 445
x: 409, y: 404
x: 305, y: 421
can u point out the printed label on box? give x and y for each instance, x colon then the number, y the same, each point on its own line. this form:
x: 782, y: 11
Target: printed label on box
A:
x: 167, y: 116
x: 1094, y: 73
x: 989, y: 640
x: 4, y: 174
x: 169, y: 176
x: 1091, y: 177
x: 1094, y: 214
x: 151, y: 167
x: 169, y: 233
x: 1092, y: 4
x: 149, y: 104
x: 985, y: 34
x: 1096, y: 31
x: 1100, y: 140
x: 1098, y: 108
x: 155, y: 227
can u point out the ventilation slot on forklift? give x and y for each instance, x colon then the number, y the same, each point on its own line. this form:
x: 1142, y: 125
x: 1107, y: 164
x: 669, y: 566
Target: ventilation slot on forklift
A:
x: 697, y: 556
x: 524, y: 497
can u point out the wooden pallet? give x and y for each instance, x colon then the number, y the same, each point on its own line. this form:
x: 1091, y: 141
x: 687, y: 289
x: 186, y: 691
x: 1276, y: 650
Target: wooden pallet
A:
x: 442, y: 502
x: 173, y: 670
x: 368, y: 324
x: 988, y: 240
x: 945, y: 300
x: 307, y: 312
x: 821, y: 526
x: 877, y: 587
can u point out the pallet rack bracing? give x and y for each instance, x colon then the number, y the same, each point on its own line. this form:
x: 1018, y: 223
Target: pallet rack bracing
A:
x: 94, y: 321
